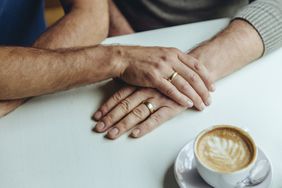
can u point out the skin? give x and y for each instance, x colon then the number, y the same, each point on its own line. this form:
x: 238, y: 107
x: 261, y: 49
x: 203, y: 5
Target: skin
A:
x: 224, y: 54
x: 43, y: 71
x: 69, y: 31
x: 57, y: 70
x: 118, y: 24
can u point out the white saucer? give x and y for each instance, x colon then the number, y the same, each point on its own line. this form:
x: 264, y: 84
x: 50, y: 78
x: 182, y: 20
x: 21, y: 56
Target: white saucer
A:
x: 186, y: 174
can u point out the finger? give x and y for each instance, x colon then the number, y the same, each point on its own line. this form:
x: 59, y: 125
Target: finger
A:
x: 183, y: 86
x: 199, y: 68
x: 113, y: 101
x: 195, y: 81
x: 137, y: 115
x: 8, y: 106
x: 171, y: 91
x: 157, y: 118
x: 121, y: 110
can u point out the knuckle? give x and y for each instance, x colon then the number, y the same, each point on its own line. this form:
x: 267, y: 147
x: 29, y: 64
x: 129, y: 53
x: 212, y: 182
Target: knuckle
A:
x: 185, y: 88
x: 193, y: 77
x: 163, y: 57
x: 104, y: 108
x: 162, y: 49
x: 205, y: 95
x: 155, y: 73
x: 117, y: 96
x: 159, y: 64
x: 210, y: 80
x: 171, y: 55
x: 169, y: 91
x: 156, y: 118
x: 125, y: 105
x: 157, y: 83
x: 122, y: 126
x: 138, y: 113
x: 198, y: 66
x: 108, y: 120
x: 198, y: 101
x: 150, y: 76
x: 153, y: 76
x: 174, y: 50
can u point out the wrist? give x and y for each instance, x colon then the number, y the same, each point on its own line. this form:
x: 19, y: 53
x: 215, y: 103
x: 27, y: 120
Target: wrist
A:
x: 93, y: 64
x: 205, y: 53
x: 117, y: 60
x: 230, y: 50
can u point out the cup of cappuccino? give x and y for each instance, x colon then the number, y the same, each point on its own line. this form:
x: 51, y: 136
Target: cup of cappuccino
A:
x: 224, y: 155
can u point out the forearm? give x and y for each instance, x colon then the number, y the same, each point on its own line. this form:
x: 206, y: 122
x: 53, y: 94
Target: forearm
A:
x: 67, y: 32
x: 27, y: 72
x: 238, y: 45
x: 266, y: 17
x: 118, y: 23
x: 83, y: 25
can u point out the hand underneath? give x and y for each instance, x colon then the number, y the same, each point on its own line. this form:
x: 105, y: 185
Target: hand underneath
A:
x: 153, y: 66
x: 125, y: 111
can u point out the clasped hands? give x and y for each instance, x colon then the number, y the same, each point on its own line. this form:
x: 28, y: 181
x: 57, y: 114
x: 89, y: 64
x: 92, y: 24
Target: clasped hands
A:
x: 161, y: 82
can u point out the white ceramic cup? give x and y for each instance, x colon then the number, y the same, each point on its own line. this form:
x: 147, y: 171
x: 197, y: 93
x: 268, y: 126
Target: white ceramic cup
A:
x: 224, y: 179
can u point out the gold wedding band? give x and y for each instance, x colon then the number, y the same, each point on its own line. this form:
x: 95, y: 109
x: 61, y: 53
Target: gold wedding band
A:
x: 170, y: 79
x: 150, y: 106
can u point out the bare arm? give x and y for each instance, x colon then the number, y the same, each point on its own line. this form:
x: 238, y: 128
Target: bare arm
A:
x: 238, y: 45
x: 27, y: 72
x: 254, y: 33
x: 86, y: 23
x: 81, y: 16
x: 118, y: 23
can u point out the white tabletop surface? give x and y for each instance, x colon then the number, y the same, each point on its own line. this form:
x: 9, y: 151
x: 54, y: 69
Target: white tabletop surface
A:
x: 48, y: 142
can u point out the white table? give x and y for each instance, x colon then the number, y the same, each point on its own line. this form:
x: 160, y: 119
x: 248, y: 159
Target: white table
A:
x: 48, y: 142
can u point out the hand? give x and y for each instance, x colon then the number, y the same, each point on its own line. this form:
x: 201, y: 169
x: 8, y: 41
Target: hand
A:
x: 152, y: 66
x: 125, y: 110
x: 8, y: 106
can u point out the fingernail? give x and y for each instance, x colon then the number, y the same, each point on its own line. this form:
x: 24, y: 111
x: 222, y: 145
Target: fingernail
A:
x: 136, y: 132
x: 213, y: 87
x: 189, y: 103
x: 202, y: 107
x: 100, y: 126
x: 114, y: 131
x: 98, y: 115
x: 209, y: 101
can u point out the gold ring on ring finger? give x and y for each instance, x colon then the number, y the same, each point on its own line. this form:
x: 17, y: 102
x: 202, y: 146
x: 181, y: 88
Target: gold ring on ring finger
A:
x: 171, y: 78
x: 150, y: 106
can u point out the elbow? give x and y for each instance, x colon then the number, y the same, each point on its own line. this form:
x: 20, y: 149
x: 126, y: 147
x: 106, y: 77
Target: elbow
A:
x: 104, y: 32
x: 102, y: 29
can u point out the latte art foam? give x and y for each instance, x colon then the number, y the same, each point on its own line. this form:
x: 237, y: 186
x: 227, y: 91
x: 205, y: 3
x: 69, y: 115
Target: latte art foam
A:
x: 225, y: 150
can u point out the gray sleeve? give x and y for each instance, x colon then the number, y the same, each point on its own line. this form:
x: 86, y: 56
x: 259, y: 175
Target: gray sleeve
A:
x: 266, y: 17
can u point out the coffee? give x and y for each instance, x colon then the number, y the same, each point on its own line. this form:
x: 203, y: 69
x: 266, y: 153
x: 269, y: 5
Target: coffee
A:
x: 225, y: 149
